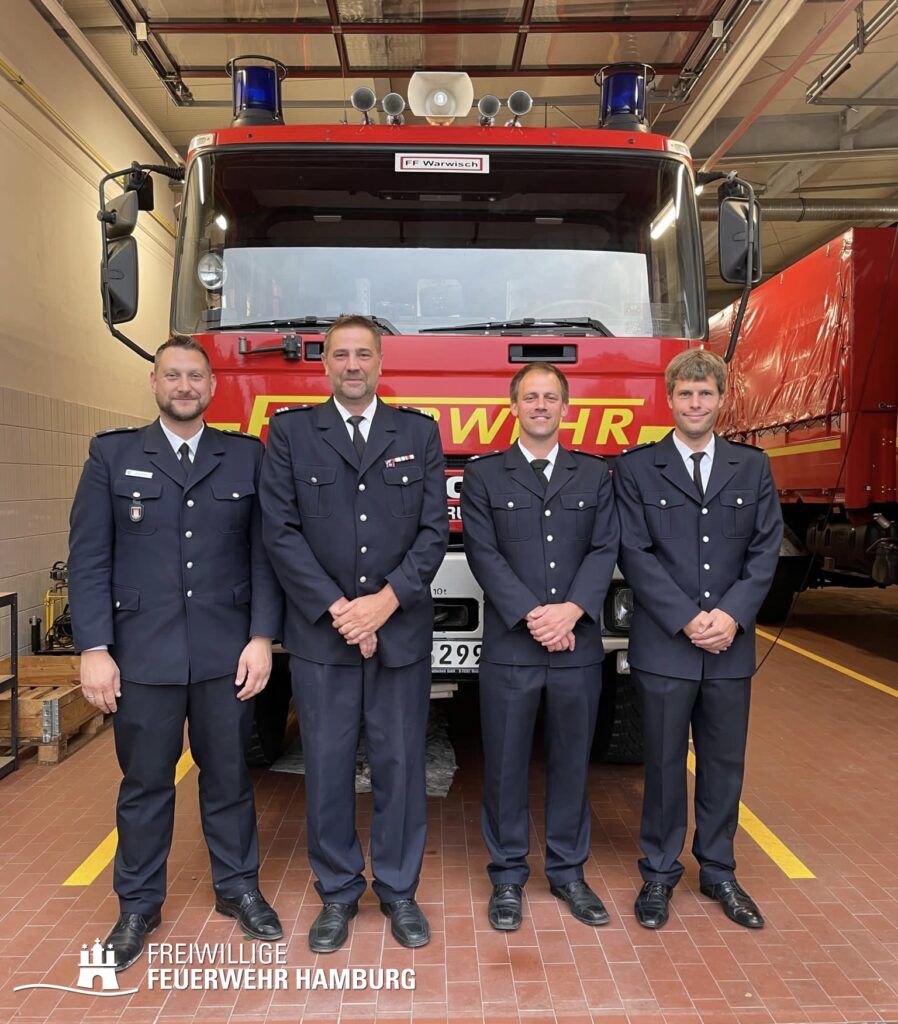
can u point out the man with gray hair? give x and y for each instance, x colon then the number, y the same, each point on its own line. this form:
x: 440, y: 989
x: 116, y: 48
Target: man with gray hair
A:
x: 700, y: 536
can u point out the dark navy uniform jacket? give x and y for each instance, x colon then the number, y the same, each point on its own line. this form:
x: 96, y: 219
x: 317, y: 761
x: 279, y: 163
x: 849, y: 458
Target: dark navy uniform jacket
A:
x: 171, y: 574
x: 528, y: 549
x: 682, y: 554
x: 335, y: 527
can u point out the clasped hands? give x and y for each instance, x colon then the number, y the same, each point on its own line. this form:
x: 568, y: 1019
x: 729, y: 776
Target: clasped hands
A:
x: 552, y: 625
x: 712, y: 631
x: 359, y: 620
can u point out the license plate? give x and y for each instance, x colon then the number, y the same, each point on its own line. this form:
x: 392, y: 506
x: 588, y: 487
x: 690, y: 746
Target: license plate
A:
x: 455, y: 656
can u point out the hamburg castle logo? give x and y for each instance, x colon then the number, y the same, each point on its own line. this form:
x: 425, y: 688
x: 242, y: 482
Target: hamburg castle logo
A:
x: 95, y: 964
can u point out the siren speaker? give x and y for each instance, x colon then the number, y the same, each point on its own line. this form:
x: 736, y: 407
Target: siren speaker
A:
x: 440, y: 96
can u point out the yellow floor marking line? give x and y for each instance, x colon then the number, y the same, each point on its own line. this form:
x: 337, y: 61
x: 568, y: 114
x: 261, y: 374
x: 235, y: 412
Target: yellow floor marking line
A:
x: 890, y: 690
x: 775, y: 848
x: 98, y: 860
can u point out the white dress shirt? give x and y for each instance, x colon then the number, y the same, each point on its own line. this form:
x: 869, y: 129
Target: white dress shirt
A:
x: 367, y: 417
x: 176, y: 441
x: 529, y: 456
x: 706, y: 463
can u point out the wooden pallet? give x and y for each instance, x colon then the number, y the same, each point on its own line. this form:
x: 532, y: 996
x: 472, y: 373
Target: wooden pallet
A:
x: 53, y: 714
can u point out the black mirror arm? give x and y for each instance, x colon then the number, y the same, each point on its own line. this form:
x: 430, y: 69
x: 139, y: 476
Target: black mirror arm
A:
x: 748, y: 193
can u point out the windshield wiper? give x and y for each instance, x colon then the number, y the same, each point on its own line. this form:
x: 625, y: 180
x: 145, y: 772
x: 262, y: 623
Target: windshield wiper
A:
x: 307, y: 322
x: 539, y: 323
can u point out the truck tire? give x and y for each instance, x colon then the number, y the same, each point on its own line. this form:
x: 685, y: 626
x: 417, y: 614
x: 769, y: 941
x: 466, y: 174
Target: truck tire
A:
x: 618, y: 738
x: 271, y: 711
x: 786, y: 582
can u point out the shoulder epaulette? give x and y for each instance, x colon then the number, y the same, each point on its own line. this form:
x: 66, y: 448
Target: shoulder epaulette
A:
x: 485, y: 455
x: 591, y: 455
x: 411, y: 408
x: 745, y: 444
x: 115, y: 430
x: 243, y: 433
x: 637, y: 447
x: 291, y: 408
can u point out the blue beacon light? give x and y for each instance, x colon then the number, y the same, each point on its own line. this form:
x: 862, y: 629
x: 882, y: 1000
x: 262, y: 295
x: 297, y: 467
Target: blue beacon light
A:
x: 256, y: 90
x: 623, y: 96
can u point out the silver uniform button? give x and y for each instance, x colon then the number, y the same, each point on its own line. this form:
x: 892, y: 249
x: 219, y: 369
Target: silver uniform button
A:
x: 704, y: 511
x: 188, y: 534
x: 707, y: 593
x: 511, y: 504
x: 190, y: 565
x: 405, y: 479
x: 580, y: 504
x: 314, y: 479
x: 552, y: 591
x: 363, y: 579
x: 361, y: 487
x: 705, y: 540
x: 548, y: 512
x: 363, y: 549
x: 550, y: 538
x: 235, y: 495
x: 190, y: 593
x: 363, y: 518
x: 706, y: 567
x: 738, y: 501
x: 551, y: 565
x: 118, y: 604
x: 662, y: 502
x: 190, y: 502
x: 135, y: 494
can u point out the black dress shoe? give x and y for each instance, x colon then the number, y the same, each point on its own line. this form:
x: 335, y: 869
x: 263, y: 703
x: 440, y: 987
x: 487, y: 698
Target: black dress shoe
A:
x: 128, y: 936
x: 331, y: 927
x: 584, y: 904
x: 408, y: 924
x: 737, y: 904
x: 652, y: 904
x: 505, y: 912
x: 253, y: 913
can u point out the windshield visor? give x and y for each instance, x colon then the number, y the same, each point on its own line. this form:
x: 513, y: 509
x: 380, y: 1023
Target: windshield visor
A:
x: 281, y: 234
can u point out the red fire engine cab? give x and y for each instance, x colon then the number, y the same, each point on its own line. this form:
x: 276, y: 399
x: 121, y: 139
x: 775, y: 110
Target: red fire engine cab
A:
x: 476, y: 248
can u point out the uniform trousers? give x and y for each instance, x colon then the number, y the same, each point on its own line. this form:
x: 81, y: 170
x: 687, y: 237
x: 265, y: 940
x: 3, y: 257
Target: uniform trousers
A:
x: 149, y: 736
x: 717, y: 710
x: 332, y: 701
x: 509, y: 701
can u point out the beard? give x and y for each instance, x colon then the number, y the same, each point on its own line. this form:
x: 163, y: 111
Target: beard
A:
x: 179, y: 412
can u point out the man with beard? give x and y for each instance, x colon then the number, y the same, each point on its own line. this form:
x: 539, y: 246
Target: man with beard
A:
x: 700, y: 538
x: 174, y: 608
x: 354, y: 511
x: 541, y: 538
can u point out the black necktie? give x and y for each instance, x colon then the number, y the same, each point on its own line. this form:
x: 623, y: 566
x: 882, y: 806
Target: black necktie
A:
x: 539, y: 467
x: 697, y: 472
x: 358, y: 439
x: 186, y: 459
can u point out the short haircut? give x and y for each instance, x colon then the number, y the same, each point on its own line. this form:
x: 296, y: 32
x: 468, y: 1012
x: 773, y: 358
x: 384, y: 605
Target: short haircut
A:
x: 353, y: 320
x: 184, y: 342
x: 696, y: 364
x: 539, y: 368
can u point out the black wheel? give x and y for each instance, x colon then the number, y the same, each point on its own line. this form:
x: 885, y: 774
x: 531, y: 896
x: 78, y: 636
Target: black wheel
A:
x: 786, y: 581
x: 271, y: 713
x: 618, y: 736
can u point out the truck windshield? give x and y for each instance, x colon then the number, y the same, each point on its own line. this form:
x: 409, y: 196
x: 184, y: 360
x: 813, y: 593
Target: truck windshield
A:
x: 277, y: 234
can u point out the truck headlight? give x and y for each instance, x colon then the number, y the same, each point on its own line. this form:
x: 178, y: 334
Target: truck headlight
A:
x: 211, y: 271
x: 622, y: 607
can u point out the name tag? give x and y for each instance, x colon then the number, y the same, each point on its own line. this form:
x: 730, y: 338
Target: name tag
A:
x: 142, y: 473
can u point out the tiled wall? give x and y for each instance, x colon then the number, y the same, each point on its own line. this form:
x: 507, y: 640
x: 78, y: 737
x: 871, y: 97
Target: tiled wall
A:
x: 43, y: 445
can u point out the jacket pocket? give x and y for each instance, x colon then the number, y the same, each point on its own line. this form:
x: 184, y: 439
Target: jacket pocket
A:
x: 125, y: 599
x: 660, y: 508
x: 737, y: 512
x: 513, y: 515
x: 580, y: 512
x: 136, y: 504
x: 242, y: 592
x: 233, y: 504
x: 315, y: 487
x: 405, y: 488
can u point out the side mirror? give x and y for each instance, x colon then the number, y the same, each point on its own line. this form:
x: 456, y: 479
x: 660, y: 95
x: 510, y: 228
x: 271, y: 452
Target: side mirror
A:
x: 118, y: 281
x: 121, y: 215
x: 732, y: 240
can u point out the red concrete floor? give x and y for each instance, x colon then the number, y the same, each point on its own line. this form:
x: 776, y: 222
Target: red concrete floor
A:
x: 822, y: 776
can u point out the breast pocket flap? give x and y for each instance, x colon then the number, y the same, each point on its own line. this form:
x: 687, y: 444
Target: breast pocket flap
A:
x: 315, y: 475
x: 402, y: 476
x: 579, y: 501
x: 522, y: 499
x: 737, y: 499
x: 137, y: 489
x: 234, y: 490
x: 664, y: 499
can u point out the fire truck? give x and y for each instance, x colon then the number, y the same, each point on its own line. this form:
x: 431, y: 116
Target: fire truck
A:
x: 815, y: 383
x: 476, y: 248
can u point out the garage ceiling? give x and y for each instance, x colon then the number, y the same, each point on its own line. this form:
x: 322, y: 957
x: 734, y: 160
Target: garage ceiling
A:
x: 733, y: 75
